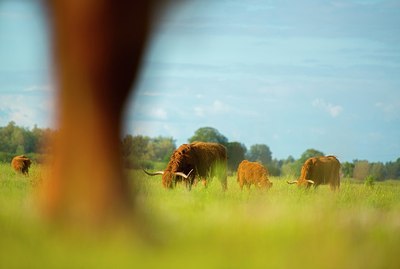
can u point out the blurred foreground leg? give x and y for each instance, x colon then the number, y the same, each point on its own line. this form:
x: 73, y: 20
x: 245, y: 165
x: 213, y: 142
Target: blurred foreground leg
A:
x: 97, y: 47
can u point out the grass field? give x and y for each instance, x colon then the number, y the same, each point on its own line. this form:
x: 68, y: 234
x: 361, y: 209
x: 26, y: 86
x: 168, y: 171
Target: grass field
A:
x: 285, y: 227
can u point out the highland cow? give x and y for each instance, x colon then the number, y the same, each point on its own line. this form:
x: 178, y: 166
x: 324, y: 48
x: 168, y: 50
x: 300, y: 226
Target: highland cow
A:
x: 319, y: 170
x: 192, y: 162
x: 249, y: 173
x: 21, y: 164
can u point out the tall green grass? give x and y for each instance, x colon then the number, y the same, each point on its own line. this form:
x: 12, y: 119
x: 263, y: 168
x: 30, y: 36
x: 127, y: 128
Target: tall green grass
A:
x: 284, y: 227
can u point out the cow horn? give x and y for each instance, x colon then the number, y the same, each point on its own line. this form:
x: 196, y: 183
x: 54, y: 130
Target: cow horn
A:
x: 183, y: 174
x: 292, y: 182
x: 154, y: 173
x: 310, y: 181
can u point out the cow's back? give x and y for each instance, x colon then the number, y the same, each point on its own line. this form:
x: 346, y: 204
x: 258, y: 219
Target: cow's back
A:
x: 21, y: 164
x: 252, y: 173
x: 324, y: 170
x: 241, y: 172
x: 211, y: 160
x: 207, y: 154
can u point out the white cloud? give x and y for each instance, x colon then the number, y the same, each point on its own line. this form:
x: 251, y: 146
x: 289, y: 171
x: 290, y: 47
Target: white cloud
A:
x: 220, y: 107
x: 159, y: 113
x: 36, y: 88
x: 25, y: 110
x: 390, y: 110
x: 317, y: 131
x: 333, y: 110
x: 216, y: 108
x: 152, y: 93
x: 199, y: 111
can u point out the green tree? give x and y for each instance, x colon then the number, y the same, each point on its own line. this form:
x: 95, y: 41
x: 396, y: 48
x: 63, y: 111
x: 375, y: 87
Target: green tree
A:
x: 6, y: 134
x: 393, y: 169
x: 377, y: 171
x: 145, y: 152
x: 260, y: 153
x: 18, y: 140
x: 162, y: 148
x: 135, y: 151
x: 369, y: 181
x: 347, y: 169
x: 236, y: 154
x: 40, y: 141
x: 127, y: 146
x: 275, y: 167
x: 361, y: 169
x: 289, y: 159
x: 289, y: 167
x: 15, y: 140
x: 310, y: 153
x: 209, y: 134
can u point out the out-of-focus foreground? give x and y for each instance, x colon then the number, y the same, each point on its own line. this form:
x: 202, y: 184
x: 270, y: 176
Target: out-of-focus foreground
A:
x: 355, y: 227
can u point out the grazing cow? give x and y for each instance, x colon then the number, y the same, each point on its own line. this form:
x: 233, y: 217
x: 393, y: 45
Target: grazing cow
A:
x: 97, y: 47
x: 21, y: 164
x: 320, y: 170
x: 249, y: 173
x: 200, y: 159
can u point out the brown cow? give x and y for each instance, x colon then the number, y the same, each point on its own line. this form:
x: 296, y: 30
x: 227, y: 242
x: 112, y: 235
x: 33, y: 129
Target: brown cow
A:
x: 249, y: 173
x: 320, y: 170
x: 200, y: 159
x: 21, y: 164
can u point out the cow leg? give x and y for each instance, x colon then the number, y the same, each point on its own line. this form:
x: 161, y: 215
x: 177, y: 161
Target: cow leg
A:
x: 193, y: 181
x: 189, y: 184
x: 97, y: 49
x: 248, y: 185
x: 333, y: 187
x: 241, y: 186
x: 224, y: 178
x: 224, y: 184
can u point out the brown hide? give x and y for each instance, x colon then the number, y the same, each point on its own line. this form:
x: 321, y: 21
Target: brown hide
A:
x: 321, y: 170
x: 206, y: 160
x: 97, y: 48
x: 21, y: 164
x: 249, y: 173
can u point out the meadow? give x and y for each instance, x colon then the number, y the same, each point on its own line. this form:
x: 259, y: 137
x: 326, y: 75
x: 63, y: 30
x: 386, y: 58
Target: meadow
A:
x: 284, y: 227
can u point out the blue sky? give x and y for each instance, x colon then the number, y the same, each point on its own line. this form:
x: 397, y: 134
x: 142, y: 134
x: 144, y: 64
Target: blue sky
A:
x: 290, y: 74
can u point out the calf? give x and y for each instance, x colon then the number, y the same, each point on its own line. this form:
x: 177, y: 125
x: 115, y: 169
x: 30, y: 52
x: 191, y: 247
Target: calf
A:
x: 249, y: 173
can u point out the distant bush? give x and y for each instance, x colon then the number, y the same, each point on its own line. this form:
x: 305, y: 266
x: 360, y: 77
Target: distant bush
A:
x: 369, y: 181
x: 6, y: 157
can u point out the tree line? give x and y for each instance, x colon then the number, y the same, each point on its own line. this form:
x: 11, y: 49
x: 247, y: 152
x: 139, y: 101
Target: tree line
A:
x: 16, y: 140
x: 154, y: 153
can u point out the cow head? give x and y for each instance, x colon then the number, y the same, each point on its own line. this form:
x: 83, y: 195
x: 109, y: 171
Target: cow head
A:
x: 169, y: 179
x: 304, y: 174
x: 302, y: 182
x: 265, y: 184
x: 27, y: 162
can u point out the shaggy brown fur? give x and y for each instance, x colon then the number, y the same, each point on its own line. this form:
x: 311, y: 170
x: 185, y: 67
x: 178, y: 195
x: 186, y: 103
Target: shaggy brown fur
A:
x: 320, y: 170
x: 249, y: 173
x: 206, y: 159
x: 21, y: 164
